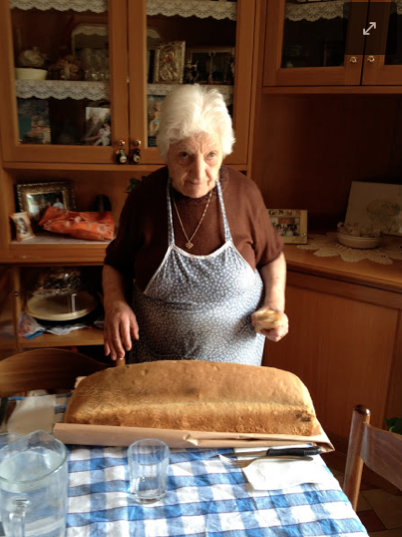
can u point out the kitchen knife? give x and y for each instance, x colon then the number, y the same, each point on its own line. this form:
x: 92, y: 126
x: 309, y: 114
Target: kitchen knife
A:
x: 3, y: 409
x: 275, y: 452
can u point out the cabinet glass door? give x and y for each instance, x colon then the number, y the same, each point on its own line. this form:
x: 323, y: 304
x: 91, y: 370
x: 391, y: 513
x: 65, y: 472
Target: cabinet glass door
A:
x: 383, y: 60
x: 61, y: 71
x: 310, y: 44
x: 197, y: 41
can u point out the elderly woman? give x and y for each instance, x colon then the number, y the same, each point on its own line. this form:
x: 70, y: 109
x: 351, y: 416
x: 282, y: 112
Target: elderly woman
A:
x: 196, y: 254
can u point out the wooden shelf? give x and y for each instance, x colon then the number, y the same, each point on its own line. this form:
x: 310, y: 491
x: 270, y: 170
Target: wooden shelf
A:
x: 330, y: 90
x: 365, y: 272
x: 86, y: 336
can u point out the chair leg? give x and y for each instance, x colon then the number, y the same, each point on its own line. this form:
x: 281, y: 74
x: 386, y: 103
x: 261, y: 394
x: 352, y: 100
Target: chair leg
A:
x: 354, y: 463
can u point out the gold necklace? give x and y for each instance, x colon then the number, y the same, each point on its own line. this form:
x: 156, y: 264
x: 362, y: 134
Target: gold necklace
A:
x: 189, y: 244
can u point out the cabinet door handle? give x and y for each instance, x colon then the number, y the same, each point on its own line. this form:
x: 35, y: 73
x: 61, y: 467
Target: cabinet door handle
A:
x: 353, y: 59
x: 371, y: 59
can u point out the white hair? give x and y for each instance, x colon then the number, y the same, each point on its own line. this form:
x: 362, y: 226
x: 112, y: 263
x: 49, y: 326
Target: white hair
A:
x: 191, y: 109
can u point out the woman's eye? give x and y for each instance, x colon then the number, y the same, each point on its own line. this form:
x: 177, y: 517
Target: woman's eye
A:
x: 183, y: 154
x: 212, y: 154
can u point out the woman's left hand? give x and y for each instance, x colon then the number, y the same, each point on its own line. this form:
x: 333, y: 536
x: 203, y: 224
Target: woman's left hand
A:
x: 276, y: 334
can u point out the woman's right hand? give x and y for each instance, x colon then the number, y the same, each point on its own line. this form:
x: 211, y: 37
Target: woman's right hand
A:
x: 120, y: 327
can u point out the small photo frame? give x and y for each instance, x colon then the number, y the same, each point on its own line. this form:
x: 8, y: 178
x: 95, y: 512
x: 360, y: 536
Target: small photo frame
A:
x: 154, y: 103
x: 210, y: 65
x: 35, y: 198
x: 23, y: 227
x: 169, y: 62
x: 291, y: 224
x: 33, y: 121
x: 97, y: 126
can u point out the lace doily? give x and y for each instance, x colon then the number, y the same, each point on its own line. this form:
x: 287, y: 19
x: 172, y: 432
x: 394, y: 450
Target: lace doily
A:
x: 314, y: 11
x: 193, y: 8
x: 96, y: 6
x: 328, y: 246
x: 62, y: 89
x: 164, y: 89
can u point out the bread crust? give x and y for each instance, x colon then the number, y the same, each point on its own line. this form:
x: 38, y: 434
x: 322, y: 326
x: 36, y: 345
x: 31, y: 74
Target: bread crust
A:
x: 195, y: 395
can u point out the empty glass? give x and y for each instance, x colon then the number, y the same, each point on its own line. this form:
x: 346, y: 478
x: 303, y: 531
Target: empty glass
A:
x: 148, y: 462
x: 33, y: 486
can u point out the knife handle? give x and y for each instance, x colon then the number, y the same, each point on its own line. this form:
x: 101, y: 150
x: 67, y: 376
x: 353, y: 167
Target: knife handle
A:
x: 298, y: 452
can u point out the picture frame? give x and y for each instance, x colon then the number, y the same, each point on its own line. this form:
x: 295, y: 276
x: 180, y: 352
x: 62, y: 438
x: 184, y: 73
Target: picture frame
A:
x: 35, y: 198
x: 169, y: 62
x: 375, y: 205
x: 154, y: 103
x: 33, y: 121
x: 97, y: 130
x: 23, y: 226
x: 210, y: 65
x: 290, y: 224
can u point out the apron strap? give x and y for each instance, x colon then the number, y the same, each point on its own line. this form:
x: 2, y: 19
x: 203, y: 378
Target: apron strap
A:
x: 228, y: 235
x: 170, y: 215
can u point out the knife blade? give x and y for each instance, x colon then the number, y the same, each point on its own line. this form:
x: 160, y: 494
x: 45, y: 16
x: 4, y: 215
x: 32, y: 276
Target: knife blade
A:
x: 275, y: 452
x: 3, y: 409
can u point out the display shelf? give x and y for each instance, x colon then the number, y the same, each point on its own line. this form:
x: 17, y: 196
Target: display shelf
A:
x: 96, y: 6
x: 85, y: 336
x: 62, y: 89
x: 56, y: 253
x: 314, y: 11
x: 192, y: 8
x: 164, y: 89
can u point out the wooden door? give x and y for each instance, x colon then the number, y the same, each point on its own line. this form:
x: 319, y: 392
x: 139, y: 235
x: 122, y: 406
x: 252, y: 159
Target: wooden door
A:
x: 305, y: 43
x: 224, y: 28
x: 383, y: 53
x: 85, y: 58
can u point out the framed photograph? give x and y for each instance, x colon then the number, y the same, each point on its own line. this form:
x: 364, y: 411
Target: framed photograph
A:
x: 97, y: 126
x: 23, y: 227
x: 153, y: 108
x: 291, y: 224
x: 169, y: 62
x: 33, y: 121
x: 210, y: 65
x: 375, y: 205
x: 35, y: 198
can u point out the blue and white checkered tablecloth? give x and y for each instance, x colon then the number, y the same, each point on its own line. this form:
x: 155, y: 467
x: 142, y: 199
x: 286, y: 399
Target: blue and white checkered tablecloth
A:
x: 204, y: 498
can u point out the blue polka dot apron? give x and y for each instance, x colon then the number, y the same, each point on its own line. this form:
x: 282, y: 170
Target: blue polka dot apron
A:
x: 198, y: 307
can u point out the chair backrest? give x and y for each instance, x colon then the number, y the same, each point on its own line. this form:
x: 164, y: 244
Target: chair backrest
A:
x: 380, y: 450
x: 46, y: 369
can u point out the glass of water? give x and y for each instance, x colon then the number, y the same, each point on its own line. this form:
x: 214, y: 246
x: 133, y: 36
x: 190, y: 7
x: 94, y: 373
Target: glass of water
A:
x: 148, y: 462
x: 7, y: 438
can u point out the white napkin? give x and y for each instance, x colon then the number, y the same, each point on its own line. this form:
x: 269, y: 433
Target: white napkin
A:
x: 282, y: 474
x: 31, y: 414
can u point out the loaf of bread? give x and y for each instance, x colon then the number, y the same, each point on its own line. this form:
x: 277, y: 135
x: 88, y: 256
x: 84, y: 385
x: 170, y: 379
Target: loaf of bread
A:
x: 195, y: 395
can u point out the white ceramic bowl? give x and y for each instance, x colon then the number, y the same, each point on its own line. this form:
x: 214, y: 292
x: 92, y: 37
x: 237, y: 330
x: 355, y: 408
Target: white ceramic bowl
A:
x: 26, y: 73
x: 358, y: 242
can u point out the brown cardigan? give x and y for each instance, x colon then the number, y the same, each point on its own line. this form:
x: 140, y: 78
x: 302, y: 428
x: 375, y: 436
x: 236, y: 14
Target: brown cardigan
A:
x: 142, y: 241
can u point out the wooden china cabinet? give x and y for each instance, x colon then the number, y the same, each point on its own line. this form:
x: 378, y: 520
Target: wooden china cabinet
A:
x: 329, y: 113
x: 103, y: 57
x: 333, y: 43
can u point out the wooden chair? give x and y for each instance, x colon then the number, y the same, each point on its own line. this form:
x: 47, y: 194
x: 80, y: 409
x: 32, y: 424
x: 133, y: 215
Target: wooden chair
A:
x: 380, y: 450
x: 46, y: 369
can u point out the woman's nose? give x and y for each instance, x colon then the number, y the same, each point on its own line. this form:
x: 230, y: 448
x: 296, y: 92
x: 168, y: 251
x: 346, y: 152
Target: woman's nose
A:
x: 198, y: 167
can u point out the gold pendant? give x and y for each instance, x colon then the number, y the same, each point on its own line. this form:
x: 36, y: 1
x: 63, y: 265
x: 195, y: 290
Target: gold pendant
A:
x: 189, y: 245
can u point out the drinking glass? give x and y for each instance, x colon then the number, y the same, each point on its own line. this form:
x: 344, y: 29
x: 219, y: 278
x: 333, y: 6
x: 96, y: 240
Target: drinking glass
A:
x: 148, y: 462
x: 7, y: 438
x: 33, y: 486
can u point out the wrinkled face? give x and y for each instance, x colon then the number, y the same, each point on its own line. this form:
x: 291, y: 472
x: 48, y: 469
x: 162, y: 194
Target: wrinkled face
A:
x: 194, y: 164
